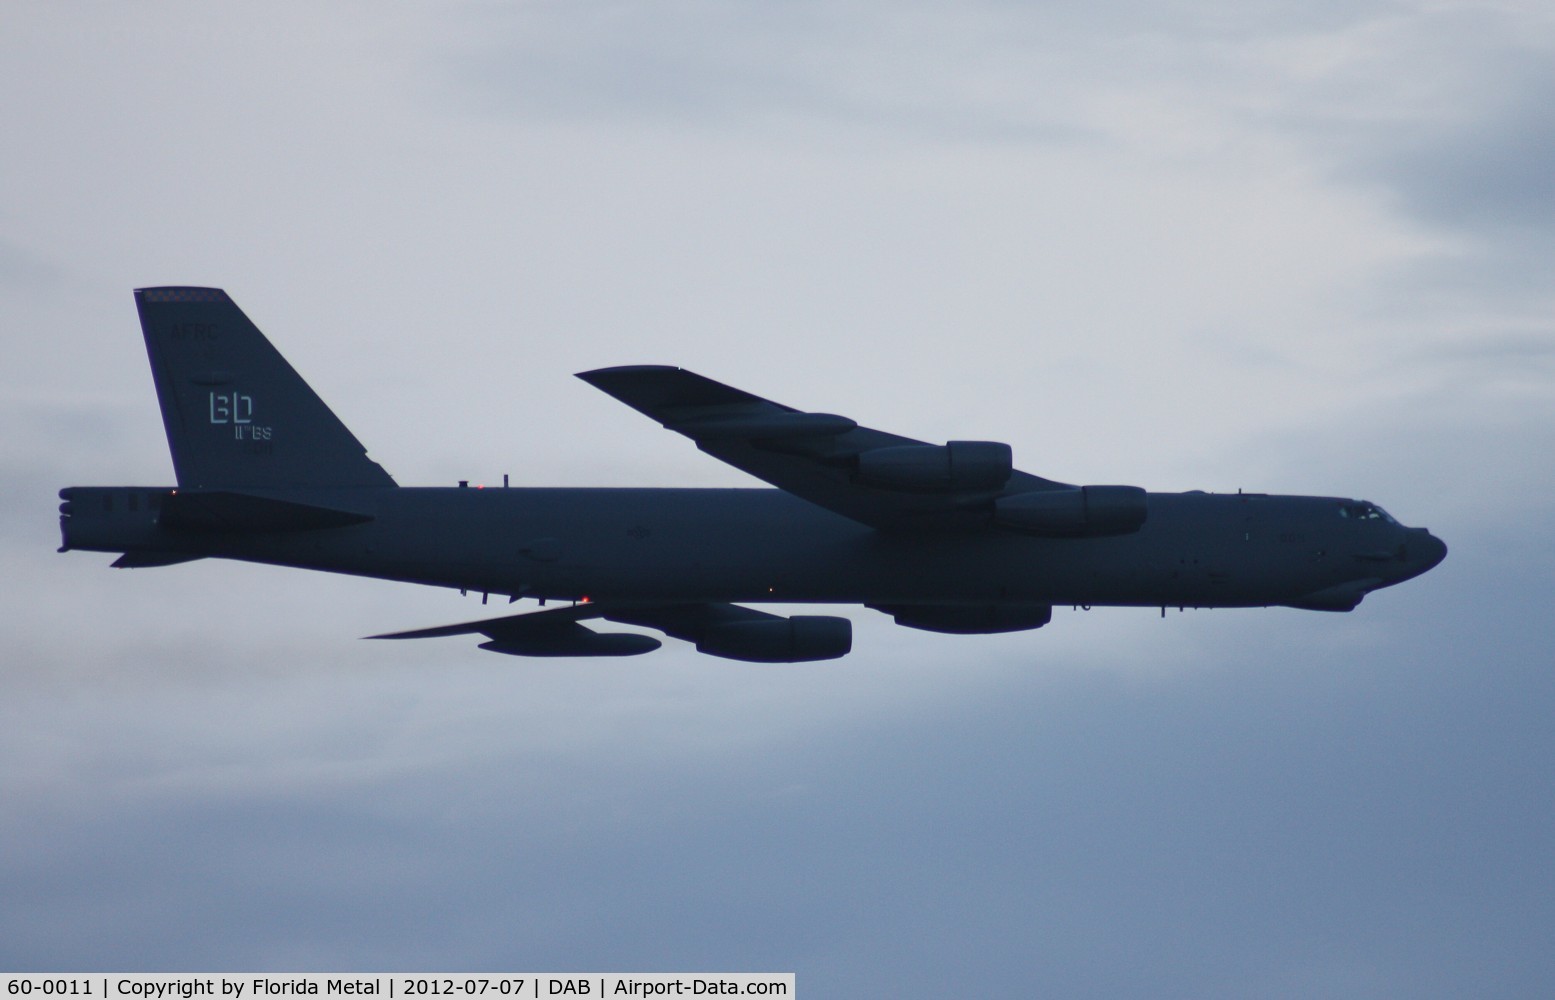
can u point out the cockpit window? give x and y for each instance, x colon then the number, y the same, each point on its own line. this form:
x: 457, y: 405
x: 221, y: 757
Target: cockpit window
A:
x: 1363, y: 510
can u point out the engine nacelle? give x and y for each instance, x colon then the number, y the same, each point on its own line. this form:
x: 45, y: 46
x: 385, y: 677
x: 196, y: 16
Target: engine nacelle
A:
x: 930, y: 468
x: 1089, y: 511
x: 780, y: 640
x: 972, y: 619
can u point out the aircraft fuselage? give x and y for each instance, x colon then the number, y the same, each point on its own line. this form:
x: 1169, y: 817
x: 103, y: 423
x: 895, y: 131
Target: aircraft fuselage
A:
x: 756, y: 545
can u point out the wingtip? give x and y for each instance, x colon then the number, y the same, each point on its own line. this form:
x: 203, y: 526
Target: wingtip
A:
x: 419, y: 633
x: 603, y: 373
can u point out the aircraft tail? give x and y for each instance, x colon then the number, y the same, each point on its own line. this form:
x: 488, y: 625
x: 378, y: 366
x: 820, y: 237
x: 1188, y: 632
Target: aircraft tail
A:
x: 237, y: 415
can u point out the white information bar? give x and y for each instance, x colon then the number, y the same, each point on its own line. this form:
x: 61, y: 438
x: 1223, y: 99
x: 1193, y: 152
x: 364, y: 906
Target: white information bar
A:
x: 392, y: 986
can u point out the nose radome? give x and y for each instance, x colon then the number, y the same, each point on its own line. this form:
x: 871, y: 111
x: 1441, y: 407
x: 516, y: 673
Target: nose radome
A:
x: 1427, y: 548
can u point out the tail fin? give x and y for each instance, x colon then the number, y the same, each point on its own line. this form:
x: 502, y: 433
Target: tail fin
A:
x: 237, y: 415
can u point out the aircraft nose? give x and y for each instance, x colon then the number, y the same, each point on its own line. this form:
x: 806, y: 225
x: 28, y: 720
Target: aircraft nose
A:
x: 1418, y: 552
x: 1425, y: 550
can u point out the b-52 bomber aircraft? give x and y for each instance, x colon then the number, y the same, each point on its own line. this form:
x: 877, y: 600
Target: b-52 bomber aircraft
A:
x: 948, y: 538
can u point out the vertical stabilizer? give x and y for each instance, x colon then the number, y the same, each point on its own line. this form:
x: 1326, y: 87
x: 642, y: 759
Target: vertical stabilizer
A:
x: 237, y: 415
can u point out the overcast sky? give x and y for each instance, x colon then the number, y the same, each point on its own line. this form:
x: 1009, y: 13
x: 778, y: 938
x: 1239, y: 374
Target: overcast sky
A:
x: 1302, y: 248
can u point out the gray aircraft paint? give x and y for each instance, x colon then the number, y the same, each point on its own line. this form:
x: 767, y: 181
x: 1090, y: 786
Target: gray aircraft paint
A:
x: 266, y: 473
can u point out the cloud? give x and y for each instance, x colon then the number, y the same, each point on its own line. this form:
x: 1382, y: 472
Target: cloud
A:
x: 24, y: 271
x: 727, y: 67
x: 1283, y: 247
x: 1493, y: 171
x: 1463, y: 144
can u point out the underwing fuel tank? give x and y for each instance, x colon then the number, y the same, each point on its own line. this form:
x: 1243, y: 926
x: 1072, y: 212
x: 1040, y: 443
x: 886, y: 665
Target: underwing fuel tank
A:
x: 582, y: 642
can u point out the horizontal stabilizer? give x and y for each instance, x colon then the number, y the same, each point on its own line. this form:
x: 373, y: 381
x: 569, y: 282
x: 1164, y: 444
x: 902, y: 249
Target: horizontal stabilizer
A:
x: 222, y: 510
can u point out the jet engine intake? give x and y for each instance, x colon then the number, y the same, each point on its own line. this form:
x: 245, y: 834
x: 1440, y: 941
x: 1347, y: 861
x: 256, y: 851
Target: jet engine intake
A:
x: 958, y: 466
x: 798, y: 639
x: 1086, y: 512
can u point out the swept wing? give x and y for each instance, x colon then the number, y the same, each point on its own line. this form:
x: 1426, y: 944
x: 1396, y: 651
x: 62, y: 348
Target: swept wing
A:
x: 883, y: 480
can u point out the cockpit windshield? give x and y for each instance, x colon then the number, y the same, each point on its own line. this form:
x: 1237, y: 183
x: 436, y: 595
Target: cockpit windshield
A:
x: 1364, y: 510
